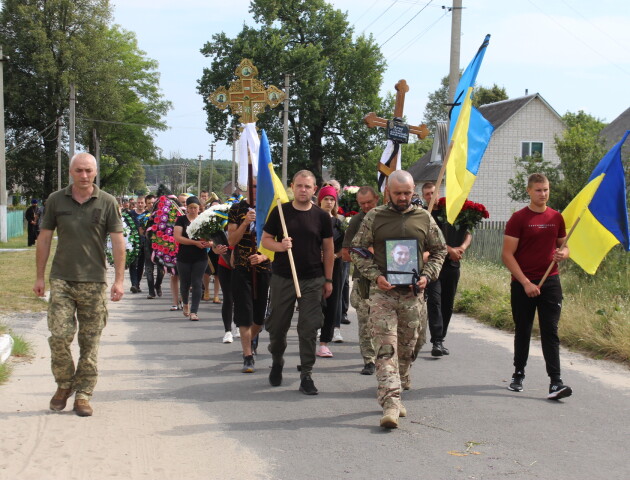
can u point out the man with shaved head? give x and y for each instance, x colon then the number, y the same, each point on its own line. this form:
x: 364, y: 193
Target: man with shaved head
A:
x: 83, y: 215
x: 397, y: 313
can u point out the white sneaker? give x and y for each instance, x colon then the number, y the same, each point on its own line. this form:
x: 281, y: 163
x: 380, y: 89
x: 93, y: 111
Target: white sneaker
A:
x: 319, y: 332
x: 227, y: 338
x: 337, y: 338
x: 236, y: 333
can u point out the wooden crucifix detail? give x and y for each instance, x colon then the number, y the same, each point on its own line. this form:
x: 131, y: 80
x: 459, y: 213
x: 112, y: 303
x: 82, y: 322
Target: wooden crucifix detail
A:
x: 398, y: 131
x: 246, y: 97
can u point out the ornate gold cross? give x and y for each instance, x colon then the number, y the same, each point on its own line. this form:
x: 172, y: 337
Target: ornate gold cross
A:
x: 247, y: 96
x: 371, y: 120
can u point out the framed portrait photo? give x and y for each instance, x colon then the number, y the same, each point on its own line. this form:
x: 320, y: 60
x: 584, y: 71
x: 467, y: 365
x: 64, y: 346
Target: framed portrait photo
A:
x: 402, y: 260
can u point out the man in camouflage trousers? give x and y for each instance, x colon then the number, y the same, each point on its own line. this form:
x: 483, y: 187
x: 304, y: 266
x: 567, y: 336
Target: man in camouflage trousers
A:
x: 396, y: 313
x: 367, y: 199
x: 83, y: 216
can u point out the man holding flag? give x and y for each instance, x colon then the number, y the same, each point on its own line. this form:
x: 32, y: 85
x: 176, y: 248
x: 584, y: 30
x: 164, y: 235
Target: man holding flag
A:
x: 534, y: 237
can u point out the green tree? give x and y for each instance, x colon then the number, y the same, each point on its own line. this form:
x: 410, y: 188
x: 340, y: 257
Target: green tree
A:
x: 525, y: 166
x: 336, y: 81
x: 56, y: 43
x: 437, y: 108
x: 580, y: 148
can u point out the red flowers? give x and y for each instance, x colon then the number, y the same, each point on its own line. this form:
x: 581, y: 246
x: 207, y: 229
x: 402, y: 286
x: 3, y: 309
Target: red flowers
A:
x: 469, y: 217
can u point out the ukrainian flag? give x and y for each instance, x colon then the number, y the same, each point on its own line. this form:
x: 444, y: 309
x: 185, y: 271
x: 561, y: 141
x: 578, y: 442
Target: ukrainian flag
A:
x: 269, y: 189
x: 470, y: 133
x: 599, y: 213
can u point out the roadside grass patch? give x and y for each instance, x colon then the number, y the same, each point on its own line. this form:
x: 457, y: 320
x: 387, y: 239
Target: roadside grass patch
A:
x: 595, y: 308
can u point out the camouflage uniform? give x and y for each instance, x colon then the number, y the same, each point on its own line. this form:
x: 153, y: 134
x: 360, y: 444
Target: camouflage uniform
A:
x: 360, y: 293
x: 89, y: 301
x: 397, y: 318
x: 358, y: 299
x: 78, y: 284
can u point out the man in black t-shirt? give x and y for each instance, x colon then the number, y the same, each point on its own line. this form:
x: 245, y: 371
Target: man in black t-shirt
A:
x: 310, y: 238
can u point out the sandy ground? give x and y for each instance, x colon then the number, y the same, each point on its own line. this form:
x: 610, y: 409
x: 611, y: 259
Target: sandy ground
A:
x: 132, y: 435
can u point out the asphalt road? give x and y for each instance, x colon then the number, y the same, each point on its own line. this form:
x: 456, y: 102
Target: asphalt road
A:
x: 462, y: 422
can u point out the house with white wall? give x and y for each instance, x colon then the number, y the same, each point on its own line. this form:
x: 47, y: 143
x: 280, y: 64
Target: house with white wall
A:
x: 522, y: 126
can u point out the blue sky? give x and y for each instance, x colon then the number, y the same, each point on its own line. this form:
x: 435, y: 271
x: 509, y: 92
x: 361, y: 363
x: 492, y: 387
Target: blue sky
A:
x: 573, y: 52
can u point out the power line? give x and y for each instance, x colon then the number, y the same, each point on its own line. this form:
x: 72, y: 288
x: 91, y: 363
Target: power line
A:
x: 410, y: 20
x: 40, y: 133
x: 593, y: 25
x: 579, y: 38
x: 406, y: 47
x: 379, y: 16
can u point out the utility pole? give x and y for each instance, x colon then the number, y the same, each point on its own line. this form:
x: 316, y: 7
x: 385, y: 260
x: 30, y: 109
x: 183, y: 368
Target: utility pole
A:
x: 234, y: 138
x: 4, y: 218
x: 71, y: 122
x: 211, y: 167
x: 97, y: 155
x: 59, y: 153
x: 199, y: 176
x: 285, y: 131
x: 456, y: 35
x: 185, y: 189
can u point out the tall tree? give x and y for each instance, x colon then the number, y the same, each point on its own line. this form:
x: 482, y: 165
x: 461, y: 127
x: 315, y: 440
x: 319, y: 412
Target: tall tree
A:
x: 56, y: 43
x: 336, y: 80
x: 437, y: 107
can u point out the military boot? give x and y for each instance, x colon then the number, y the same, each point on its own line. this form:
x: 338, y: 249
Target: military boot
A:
x: 391, y: 412
x: 60, y: 398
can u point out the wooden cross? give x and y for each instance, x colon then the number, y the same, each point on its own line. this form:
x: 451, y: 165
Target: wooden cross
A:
x: 371, y: 120
x: 247, y: 96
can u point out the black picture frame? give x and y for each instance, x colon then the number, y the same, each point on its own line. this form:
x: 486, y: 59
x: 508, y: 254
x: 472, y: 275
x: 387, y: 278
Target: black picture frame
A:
x: 399, y: 250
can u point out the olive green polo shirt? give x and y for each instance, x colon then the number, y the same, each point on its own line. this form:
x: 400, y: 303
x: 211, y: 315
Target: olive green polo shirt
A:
x: 81, y: 231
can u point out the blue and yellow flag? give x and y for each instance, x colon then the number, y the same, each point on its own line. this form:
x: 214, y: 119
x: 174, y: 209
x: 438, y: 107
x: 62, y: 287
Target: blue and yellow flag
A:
x: 269, y: 189
x: 470, y: 133
x: 601, y: 211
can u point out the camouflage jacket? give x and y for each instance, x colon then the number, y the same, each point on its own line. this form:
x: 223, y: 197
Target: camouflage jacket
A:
x: 385, y: 223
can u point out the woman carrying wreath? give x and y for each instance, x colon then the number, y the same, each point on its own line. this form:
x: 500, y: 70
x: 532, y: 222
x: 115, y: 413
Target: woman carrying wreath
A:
x: 192, y: 259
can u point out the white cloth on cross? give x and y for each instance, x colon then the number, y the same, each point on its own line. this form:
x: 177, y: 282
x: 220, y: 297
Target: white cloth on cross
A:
x: 387, y: 154
x: 248, y: 142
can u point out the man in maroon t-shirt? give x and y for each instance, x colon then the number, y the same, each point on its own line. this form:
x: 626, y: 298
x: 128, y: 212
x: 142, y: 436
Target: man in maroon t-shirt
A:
x: 533, y: 240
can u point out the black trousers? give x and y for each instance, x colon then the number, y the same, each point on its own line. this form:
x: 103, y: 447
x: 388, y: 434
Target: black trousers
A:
x: 152, y: 281
x: 548, y: 305
x: 247, y: 309
x: 333, y: 305
x: 440, y: 301
x: 225, y: 278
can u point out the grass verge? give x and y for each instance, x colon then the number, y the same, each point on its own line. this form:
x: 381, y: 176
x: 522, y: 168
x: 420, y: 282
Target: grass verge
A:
x: 16, y: 294
x: 594, y: 312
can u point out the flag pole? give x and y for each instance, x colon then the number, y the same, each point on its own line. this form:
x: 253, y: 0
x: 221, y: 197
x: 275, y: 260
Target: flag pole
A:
x: 564, y: 244
x: 298, y: 294
x: 440, y: 178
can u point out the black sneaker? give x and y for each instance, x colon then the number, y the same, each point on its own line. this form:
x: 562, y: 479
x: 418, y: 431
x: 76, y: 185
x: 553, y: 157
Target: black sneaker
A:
x: 275, y: 376
x: 158, y: 290
x: 307, y: 386
x: 558, y: 390
x: 516, y: 385
x: 248, y: 364
x: 436, y: 351
x: 445, y: 350
x: 345, y: 320
x: 368, y: 369
x: 134, y: 289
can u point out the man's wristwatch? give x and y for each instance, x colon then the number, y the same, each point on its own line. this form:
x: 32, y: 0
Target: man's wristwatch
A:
x: 328, y: 280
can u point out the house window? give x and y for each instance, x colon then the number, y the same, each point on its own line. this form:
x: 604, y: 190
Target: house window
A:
x: 531, y: 149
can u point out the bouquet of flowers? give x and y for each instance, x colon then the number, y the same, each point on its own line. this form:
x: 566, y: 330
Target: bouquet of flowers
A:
x: 348, y: 205
x: 470, y: 216
x: 345, y: 223
x: 163, y: 217
x: 132, y: 241
x: 209, y: 223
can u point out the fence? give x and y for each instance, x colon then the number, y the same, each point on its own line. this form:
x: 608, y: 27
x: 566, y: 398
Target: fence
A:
x: 15, y: 223
x: 487, y: 242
